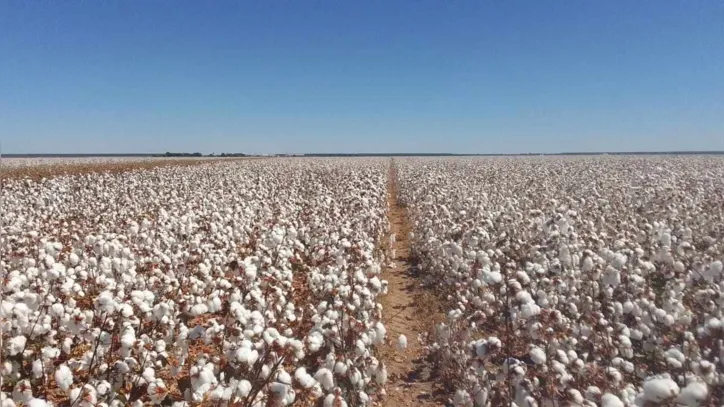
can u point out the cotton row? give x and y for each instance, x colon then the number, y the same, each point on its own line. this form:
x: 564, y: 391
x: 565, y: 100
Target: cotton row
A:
x: 249, y: 282
x: 574, y: 281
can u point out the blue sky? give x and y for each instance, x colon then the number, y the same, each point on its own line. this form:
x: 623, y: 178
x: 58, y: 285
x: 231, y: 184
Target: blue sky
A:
x: 361, y: 76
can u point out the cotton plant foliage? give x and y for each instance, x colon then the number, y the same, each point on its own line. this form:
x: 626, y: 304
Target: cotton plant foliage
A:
x: 590, y: 281
x: 244, y: 283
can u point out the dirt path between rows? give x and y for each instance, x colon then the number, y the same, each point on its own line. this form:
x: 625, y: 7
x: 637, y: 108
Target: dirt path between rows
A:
x: 408, y: 310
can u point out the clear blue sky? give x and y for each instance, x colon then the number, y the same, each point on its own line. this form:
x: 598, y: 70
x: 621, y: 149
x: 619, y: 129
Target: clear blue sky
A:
x: 361, y: 76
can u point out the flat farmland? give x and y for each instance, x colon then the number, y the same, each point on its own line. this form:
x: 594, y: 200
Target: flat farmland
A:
x: 525, y: 281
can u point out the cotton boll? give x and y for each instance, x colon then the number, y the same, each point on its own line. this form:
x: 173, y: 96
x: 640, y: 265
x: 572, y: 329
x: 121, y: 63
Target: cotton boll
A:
x: 23, y: 391
x: 340, y: 368
x: 37, y: 368
x: 325, y: 378
x: 609, y: 400
x: 381, y: 375
x: 304, y: 378
x: 694, y: 394
x: 315, y: 341
x: 334, y: 399
x: 63, y: 377
x: 157, y: 391
x: 660, y: 388
x: 537, y: 355
x: 380, y: 331
x: 37, y: 403
x: 244, y: 388
x: 402, y: 343
x: 462, y: 399
x: 16, y: 344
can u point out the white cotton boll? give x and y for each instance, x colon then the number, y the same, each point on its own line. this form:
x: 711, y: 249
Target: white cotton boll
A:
x: 104, y: 302
x: 380, y: 331
x: 529, y: 310
x: 523, y: 297
x: 355, y: 377
x: 619, y: 260
x: 148, y: 374
x: 305, y: 379
x: 23, y: 391
x: 37, y: 403
x: 364, y: 399
x: 492, y: 278
x: 315, y: 341
x: 381, y: 375
x: 244, y: 388
x: 538, y: 355
x: 694, y: 394
x: 334, y: 400
x: 402, y: 343
x: 49, y: 261
x: 64, y: 377
x: 157, y: 391
x: 37, y: 368
x: 199, y: 309
x: 50, y: 352
x: 250, y: 271
x: 658, y: 389
x: 325, y: 378
x: 278, y: 390
x: 340, y: 368
x: 247, y: 355
x: 128, y: 337
x: 74, y: 259
x: 16, y: 344
x: 57, y: 310
x: 462, y: 399
x: 714, y: 324
x: 609, y: 400
x: 587, y: 264
x: 126, y: 310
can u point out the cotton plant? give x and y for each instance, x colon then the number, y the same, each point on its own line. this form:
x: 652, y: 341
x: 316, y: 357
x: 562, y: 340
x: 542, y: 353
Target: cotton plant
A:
x: 600, y: 275
x: 237, y: 283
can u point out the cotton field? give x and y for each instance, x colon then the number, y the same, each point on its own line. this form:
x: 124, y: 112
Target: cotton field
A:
x: 244, y: 283
x: 592, y: 281
x: 560, y: 281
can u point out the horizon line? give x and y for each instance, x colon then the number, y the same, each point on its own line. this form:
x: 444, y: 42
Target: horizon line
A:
x: 367, y: 154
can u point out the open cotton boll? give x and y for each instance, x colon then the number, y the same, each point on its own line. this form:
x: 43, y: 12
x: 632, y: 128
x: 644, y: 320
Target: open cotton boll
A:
x: 537, y: 355
x: 16, y: 344
x: 325, y: 377
x: 694, y: 394
x: 315, y: 341
x: 660, y: 388
x: 462, y: 399
x: 402, y: 343
x: 244, y: 388
x: 381, y: 375
x: 63, y: 377
x: 37, y: 403
x: 334, y: 400
x: 157, y: 391
x: 305, y: 379
x: 609, y: 400
x: 37, y: 368
x: 23, y: 391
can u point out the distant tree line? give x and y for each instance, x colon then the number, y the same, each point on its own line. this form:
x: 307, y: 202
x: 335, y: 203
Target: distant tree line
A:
x: 228, y: 155
x: 169, y: 154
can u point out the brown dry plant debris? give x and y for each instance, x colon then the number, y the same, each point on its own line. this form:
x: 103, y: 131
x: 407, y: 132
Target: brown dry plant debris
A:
x: 38, y: 172
x: 410, y: 310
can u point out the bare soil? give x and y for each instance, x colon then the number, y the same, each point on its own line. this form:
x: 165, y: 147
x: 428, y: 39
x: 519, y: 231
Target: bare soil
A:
x: 410, y: 310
